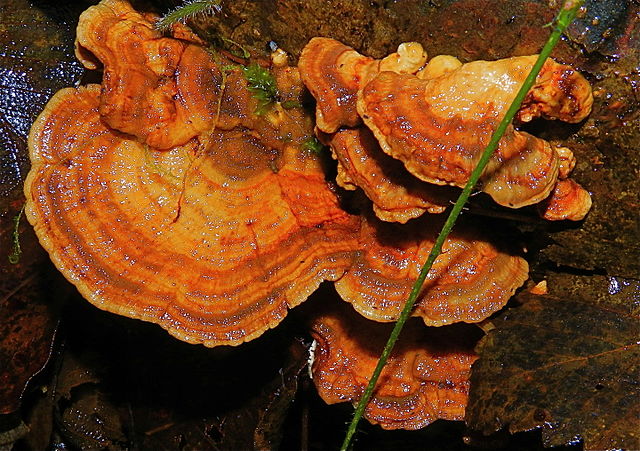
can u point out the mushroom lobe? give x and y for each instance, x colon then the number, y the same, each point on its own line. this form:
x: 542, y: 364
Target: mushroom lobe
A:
x: 425, y: 379
x: 567, y: 201
x: 471, y: 279
x: 397, y: 195
x: 213, y: 244
x: 439, y: 127
x: 162, y: 90
x: 334, y: 72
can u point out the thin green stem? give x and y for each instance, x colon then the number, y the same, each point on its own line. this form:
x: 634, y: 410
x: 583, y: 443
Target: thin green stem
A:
x: 16, y: 251
x: 188, y: 10
x: 567, y: 14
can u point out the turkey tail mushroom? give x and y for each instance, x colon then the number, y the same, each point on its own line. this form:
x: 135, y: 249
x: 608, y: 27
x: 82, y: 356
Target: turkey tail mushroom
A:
x: 568, y: 201
x: 334, y: 72
x: 215, y: 250
x: 152, y: 84
x: 438, y: 127
x: 469, y: 281
x: 397, y: 196
x: 215, y: 243
x: 425, y: 379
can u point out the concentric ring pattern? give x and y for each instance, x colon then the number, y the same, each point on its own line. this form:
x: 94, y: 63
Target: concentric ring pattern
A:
x: 215, y: 253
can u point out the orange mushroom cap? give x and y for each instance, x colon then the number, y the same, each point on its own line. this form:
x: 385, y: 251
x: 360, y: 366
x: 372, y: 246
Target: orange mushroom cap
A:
x: 163, y: 197
x: 397, y: 195
x: 567, y: 201
x: 334, y: 72
x: 214, y: 245
x: 425, y: 379
x: 560, y: 92
x: 152, y: 85
x: 471, y: 279
x: 439, y: 127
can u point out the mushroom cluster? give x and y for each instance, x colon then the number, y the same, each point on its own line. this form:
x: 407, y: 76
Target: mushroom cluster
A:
x: 169, y: 193
x: 436, y: 118
x: 406, y: 131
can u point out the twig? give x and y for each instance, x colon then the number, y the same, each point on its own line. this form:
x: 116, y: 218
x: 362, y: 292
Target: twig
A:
x: 566, y: 15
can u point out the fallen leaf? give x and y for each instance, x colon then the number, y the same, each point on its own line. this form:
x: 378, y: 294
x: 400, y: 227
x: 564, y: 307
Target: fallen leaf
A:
x: 27, y: 330
x: 568, y: 367
x: 36, y: 59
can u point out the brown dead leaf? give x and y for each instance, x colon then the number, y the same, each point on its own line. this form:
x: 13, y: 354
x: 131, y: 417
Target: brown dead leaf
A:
x: 568, y: 367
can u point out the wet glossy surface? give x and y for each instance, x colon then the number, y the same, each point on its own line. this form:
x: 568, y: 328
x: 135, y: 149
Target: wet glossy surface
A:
x: 473, y: 277
x: 425, y: 379
x: 397, y: 196
x: 214, y: 239
x: 29, y: 75
x: 439, y: 127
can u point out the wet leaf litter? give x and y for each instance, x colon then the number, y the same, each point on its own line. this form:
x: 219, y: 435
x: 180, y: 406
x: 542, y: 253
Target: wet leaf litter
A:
x: 555, y: 269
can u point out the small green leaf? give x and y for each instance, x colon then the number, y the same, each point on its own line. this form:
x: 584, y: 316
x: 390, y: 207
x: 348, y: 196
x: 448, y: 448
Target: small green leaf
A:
x: 229, y: 68
x: 242, y: 52
x: 289, y: 104
x: 312, y: 145
x: 262, y: 86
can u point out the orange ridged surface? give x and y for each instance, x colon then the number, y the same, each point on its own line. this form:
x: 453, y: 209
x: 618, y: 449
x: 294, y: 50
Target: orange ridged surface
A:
x: 425, y: 379
x: 397, y: 196
x: 214, y: 245
x: 569, y: 201
x: 216, y: 237
x: 163, y: 91
x: 469, y: 281
x: 333, y: 73
x: 439, y: 127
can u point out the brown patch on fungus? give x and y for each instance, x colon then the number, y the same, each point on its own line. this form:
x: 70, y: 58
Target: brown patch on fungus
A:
x: 212, y: 244
x: 397, y: 195
x: 559, y: 93
x: 425, y: 379
x: 469, y: 281
x: 439, y: 127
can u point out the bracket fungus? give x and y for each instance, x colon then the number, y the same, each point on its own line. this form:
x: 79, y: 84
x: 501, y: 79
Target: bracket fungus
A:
x: 438, y: 127
x: 334, y: 73
x: 397, y: 196
x: 213, y: 239
x: 171, y: 193
x: 568, y: 201
x: 162, y: 90
x: 437, y: 118
x: 426, y: 378
x: 471, y: 279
